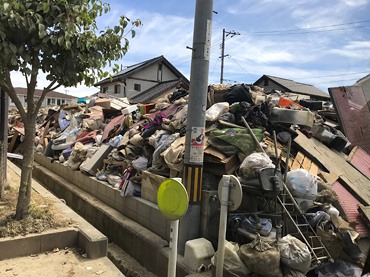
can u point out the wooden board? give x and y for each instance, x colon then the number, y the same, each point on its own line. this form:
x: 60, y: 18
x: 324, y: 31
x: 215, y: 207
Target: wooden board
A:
x: 14, y: 139
x: 336, y: 162
x: 365, y: 213
x: 297, y: 161
x: 329, y: 178
x: 302, y: 161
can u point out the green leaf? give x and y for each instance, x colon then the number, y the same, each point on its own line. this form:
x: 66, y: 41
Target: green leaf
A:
x: 45, y: 7
x: 117, y: 29
x: 39, y: 7
x: 54, y: 40
x: 15, y: 4
x: 60, y: 41
x: 41, y: 27
x: 67, y: 36
x: 2, y: 35
x: 124, y: 24
x: 68, y: 44
x: 27, y: 71
x: 7, y: 7
x: 13, y: 48
x: 133, y: 33
x: 42, y: 34
x: 14, y: 61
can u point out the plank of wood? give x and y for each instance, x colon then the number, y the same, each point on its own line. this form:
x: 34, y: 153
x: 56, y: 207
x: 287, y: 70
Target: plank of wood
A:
x: 314, y: 169
x: 364, y: 211
x: 306, y: 163
x: 14, y: 139
x: 335, y: 162
x: 297, y: 161
x: 330, y: 178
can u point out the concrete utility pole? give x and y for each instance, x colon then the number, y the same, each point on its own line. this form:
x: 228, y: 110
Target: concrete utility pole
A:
x: 232, y: 33
x: 3, y: 138
x: 194, y: 143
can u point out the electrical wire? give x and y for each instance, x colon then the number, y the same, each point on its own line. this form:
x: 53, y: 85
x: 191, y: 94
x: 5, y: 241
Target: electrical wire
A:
x: 311, y: 28
x: 312, y: 32
x: 325, y: 76
x: 214, y: 67
x: 241, y: 66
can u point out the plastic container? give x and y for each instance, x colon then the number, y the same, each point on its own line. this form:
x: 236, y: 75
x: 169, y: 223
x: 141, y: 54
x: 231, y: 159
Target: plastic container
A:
x: 283, y: 102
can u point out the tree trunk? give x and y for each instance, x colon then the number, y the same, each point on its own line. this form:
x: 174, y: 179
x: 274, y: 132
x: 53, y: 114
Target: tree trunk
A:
x: 24, y: 196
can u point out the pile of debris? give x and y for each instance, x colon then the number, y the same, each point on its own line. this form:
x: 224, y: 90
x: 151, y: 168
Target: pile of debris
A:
x: 250, y: 134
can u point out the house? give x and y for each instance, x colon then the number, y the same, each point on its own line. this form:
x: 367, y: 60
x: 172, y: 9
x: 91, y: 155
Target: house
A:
x: 145, y: 82
x: 52, y: 98
x: 294, y: 89
x: 364, y: 82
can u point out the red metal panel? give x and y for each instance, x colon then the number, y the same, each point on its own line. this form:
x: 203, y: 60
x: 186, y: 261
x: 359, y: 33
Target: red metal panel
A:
x: 350, y: 205
x: 354, y: 113
x: 361, y: 160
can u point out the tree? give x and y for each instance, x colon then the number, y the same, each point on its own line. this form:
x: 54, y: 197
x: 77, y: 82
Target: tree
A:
x: 61, y: 39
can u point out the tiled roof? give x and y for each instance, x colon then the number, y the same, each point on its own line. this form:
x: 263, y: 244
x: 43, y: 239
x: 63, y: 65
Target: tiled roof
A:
x: 156, y: 90
x: 299, y: 88
x: 127, y: 72
x: 38, y: 92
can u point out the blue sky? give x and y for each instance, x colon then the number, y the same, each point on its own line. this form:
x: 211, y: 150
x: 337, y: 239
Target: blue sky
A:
x: 325, y: 41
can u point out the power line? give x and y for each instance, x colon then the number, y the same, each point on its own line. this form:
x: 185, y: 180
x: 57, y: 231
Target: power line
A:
x: 310, y: 28
x: 214, y: 67
x: 344, y: 74
x: 312, y: 32
x: 242, y: 67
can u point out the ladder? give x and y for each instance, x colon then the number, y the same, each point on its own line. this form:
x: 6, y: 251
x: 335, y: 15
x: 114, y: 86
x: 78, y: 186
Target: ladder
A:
x: 292, y: 211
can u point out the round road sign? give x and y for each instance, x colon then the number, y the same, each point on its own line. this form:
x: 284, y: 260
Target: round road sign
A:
x: 172, y: 199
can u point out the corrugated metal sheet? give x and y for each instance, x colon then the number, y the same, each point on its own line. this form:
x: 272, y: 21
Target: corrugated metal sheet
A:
x: 350, y: 205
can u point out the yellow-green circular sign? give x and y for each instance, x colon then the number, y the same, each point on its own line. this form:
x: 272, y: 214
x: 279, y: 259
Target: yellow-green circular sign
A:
x: 172, y: 199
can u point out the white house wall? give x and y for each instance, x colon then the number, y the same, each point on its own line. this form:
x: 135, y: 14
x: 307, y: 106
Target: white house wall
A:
x: 168, y: 74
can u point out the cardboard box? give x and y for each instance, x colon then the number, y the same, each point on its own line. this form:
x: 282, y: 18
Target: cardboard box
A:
x: 217, y: 163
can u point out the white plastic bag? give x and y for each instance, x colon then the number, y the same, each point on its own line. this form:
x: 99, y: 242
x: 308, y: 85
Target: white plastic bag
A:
x: 232, y: 262
x: 214, y: 112
x: 294, y: 254
x: 140, y: 163
x: 302, y: 184
x: 253, y: 163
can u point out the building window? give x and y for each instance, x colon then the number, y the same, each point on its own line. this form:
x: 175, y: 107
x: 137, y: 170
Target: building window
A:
x: 105, y: 89
x: 49, y: 101
x: 25, y: 100
x: 63, y: 101
x: 137, y: 87
x: 266, y: 83
x: 117, y: 89
x: 58, y: 102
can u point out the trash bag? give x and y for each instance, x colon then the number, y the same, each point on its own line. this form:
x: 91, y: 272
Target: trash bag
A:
x: 233, y: 265
x: 339, y: 268
x: 114, y: 142
x: 114, y: 180
x: 231, y: 141
x: 238, y: 93
x: 140, y: 163
x: 262, y: 257
x: 228, y: 117
x: 253, y: 164
x: 157, y: 158
x: 302, y: 184
x: 294, y: 254
x: 214, y: 112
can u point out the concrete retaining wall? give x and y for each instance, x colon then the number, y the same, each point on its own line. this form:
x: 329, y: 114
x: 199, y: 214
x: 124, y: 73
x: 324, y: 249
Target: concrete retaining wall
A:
x: 141, y: 243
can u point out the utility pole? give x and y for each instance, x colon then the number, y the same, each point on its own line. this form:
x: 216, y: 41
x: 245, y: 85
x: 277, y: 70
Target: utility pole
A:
x: 195, y: 129
x: 3, y: 138
x: 232, y: 33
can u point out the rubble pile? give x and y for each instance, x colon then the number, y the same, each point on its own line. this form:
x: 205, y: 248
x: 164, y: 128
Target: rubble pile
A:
x: 118, y: 143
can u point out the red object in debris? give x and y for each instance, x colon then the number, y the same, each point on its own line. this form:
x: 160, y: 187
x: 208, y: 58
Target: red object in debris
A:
x: 126, y: 177
x: 350, y: 205
x: 286, y: 102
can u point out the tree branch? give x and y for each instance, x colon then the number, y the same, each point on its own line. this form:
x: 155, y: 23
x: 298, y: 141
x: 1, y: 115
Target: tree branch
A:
x: 45, y: 91
x: 9, y: 89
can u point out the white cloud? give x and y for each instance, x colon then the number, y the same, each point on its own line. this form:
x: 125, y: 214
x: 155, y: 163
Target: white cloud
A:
x: 355, y: 3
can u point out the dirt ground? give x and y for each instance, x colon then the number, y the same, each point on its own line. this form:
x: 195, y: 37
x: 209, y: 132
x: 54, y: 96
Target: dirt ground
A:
x: 43, y: 215
x: 64, y: 263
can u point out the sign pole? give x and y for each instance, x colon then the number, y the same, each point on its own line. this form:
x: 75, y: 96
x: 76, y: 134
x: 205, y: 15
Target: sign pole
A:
x: 172, y: 260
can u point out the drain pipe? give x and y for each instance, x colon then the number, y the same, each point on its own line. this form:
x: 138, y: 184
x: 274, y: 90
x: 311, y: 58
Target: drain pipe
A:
x: 223, y: 224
